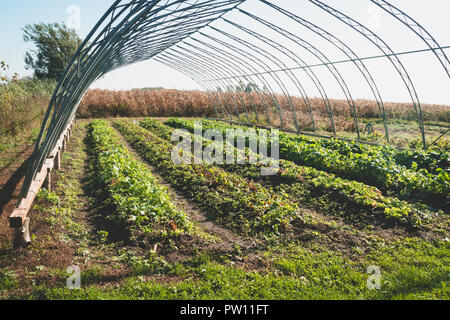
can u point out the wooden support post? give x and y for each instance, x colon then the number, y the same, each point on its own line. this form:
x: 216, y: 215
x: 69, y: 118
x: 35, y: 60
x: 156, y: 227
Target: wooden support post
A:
x: 58, y: 160
x: 18, y: 220
x: 64, y: 144
x: 22, y: 234
x: 69, y: 132
x: 48, y: 180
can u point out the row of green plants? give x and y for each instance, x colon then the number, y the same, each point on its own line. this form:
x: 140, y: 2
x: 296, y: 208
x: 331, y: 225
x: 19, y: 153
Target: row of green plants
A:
x: 369, y: 168
x: 432, y: 161
x: 241, y: 204
x: 388, y: 176
x: 316, y: 187
x: 130, y: 195
x: 429, y: 161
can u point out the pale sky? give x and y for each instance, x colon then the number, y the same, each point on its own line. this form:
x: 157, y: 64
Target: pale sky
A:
x: 431, y: 82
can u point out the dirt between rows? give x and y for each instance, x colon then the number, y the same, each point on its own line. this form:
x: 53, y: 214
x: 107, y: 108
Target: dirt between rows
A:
x: 228, y: 240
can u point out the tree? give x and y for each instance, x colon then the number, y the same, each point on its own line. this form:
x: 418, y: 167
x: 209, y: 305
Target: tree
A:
x: 3, y: 68
x: 56, y: 44
x: 249, y: 87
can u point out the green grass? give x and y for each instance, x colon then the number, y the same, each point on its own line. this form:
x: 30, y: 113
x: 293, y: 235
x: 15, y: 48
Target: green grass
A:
x: 7, y: 280
x: 416, y: 270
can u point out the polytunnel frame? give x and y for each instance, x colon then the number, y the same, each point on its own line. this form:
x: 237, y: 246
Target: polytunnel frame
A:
x: 133, y: 31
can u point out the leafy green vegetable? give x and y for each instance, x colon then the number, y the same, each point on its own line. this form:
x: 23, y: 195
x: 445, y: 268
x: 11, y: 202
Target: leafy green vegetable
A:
x: 137, y: 199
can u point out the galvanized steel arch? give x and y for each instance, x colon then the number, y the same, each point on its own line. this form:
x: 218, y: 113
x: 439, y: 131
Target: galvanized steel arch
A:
x: 387, y: 51
x: 175, y: 33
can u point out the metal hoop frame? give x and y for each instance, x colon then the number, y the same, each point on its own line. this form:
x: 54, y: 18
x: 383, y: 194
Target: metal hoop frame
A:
x: 181, y: 35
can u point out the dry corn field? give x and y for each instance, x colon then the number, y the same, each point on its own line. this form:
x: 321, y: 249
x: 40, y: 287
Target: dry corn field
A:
x: 160, y: 102
x: 184, y: 103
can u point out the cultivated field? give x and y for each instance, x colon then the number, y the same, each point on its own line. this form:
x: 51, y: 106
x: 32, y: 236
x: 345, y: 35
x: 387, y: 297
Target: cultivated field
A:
x: 338, y: 220
x: 274, y: 183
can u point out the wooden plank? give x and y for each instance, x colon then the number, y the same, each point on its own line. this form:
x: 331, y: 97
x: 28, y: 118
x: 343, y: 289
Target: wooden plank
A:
x: 19, y: 214
x: 17, y: 218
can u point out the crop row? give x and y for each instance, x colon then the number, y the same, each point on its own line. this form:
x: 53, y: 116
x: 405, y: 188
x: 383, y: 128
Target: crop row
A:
x: 426, y: 161
x: 370, y: 169
x: 239, y: 203
x: 130, y: 195
x: 312, y: 184
x: 430, y: 160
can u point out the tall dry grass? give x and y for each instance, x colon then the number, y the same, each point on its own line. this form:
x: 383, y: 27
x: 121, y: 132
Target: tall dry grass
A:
x: 23, y: 103
x: 261, y: 107
x: 144, y: 102
x: 160, y: 102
